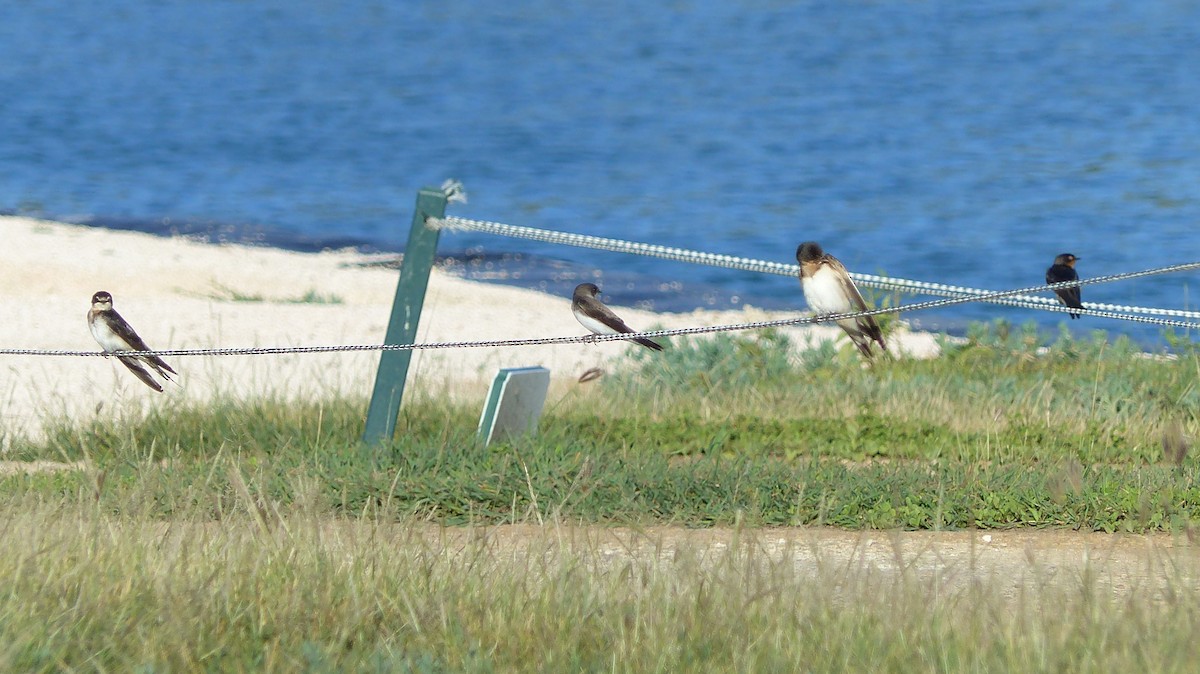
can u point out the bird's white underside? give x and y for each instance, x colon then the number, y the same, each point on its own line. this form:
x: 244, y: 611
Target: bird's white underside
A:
x: 825, y: 293
x: 106, y: 338
x: 593, y: 324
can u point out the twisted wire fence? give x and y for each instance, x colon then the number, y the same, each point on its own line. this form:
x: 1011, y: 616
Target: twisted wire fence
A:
x: 576, y: 339
x: 951, y: 294
x: 780, y: 269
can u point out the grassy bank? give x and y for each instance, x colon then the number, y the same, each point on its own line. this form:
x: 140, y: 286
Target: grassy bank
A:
x: 1005, y: 430
x: 90, y: 591
x: 260, y: 536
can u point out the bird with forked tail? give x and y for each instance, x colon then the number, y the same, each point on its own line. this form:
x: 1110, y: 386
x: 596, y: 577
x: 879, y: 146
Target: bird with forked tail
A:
x: 1063, y: 269
x: 116, y: 337
x: 595, y: 316
x: 828, y: 289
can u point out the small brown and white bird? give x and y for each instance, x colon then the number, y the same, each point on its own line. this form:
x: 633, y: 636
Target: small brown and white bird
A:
x: 116, y: 337
x: 828, y: 289
x: 594, y: 316
x: 1063, y: 269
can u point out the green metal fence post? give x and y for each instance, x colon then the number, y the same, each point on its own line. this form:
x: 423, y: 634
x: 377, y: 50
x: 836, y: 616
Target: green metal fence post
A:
x: 406, y: 312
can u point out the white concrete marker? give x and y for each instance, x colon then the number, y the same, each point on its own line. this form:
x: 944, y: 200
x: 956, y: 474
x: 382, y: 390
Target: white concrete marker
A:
x: 514, y: 403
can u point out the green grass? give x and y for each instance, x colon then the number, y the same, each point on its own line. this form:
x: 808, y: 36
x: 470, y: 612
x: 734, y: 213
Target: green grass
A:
x: 455, y: 481
x: 311, y: 296
x: 87, y: 590
x: 258, y: 535
x: 1002, y: 431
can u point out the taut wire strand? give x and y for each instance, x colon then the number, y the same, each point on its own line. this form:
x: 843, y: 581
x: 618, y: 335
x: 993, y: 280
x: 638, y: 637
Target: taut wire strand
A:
x: 803, y: 320
x: 780, y: 269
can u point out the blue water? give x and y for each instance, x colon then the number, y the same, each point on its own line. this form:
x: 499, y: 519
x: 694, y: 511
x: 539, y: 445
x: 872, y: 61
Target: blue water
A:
x: 962, y: 142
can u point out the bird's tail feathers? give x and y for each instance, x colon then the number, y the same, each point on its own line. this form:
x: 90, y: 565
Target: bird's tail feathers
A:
x: 648, y: 343
x: 161, y: 367
x: 135, y: 367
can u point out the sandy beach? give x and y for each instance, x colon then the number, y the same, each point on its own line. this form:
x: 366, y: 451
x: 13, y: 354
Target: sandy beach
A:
x: 180, y: 293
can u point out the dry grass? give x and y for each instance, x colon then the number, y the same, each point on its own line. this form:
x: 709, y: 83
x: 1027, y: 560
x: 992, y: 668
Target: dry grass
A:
x: 254, y: 535
x: 90, y: 591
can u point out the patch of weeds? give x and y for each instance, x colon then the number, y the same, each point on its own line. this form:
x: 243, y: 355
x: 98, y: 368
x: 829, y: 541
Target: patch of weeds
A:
x: 1181, y: 342
x: 1006, y: 431
x: 725, y: 360
x: 881, y: 299
x: 1002, y: 336
x: 314, y: 297
x: 820, y: 355
x: 224, y: 293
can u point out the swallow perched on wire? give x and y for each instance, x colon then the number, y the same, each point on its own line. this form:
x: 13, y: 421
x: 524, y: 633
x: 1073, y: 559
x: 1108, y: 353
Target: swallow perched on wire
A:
x: 594, y: 316
x: 1063, y: 269
x: 116, y: 337
x: 828, y: 289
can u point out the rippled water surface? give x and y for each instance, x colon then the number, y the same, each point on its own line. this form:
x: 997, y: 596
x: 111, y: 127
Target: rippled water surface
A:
x: 963, y: 142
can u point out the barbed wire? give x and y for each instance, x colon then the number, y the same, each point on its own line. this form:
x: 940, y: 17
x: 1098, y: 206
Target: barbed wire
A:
x: 1101, y: 310
x: 671, y: 332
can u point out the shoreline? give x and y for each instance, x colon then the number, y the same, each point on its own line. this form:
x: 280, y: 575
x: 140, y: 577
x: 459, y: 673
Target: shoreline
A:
x: 180, y: 293
x: 531, y: 271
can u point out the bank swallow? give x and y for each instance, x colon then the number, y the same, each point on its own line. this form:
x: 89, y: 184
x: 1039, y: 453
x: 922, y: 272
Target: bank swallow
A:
x: 1063, y: 269
x: 828, y: 289
x: 116, y: 337
x: 594, y: 316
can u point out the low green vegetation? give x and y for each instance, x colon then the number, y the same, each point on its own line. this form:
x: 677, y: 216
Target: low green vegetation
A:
x: 259, y: 535
x: 225, y: 293
x: 87, y: 590
x: 94, y: 591
x: 1006, y: 429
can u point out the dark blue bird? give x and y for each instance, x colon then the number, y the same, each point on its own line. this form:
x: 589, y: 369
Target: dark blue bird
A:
x: 1063, y: 269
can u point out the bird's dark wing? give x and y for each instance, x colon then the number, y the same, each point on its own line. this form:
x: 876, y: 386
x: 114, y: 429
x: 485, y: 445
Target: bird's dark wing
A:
x: 158, y: 364
x: 596, y: 310
x: 126, y: 333
x: 1072, y: 297
x: 866, y: 324
x: 848, y: 286
x: 136, y: 368
x: 1059, y: 273
x: 648, y: 343
x: 121, y: 329
x: 602, y: 313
